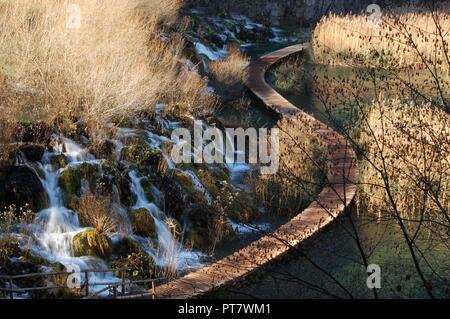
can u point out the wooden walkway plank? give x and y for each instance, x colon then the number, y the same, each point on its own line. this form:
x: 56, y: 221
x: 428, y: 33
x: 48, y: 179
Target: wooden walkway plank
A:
x: 331, y: 202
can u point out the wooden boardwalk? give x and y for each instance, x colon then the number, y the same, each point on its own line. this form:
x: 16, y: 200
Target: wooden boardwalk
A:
x: 331, y: 202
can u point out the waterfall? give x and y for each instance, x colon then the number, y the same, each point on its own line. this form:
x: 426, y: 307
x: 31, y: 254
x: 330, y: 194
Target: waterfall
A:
x: 169, y: 248
x: 58, y: 224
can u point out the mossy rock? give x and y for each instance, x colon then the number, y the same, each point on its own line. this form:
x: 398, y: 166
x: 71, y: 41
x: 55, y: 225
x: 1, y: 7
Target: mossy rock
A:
x: 122, y: 180
x: 138, y: 152
x: 92, y: 243
x: 147, y: 184
x: 90, y: 172
x: 241, y: 209
x: 220, y: 172
x: 70, y: 181
x: 102, y: 149
x: 209, y: 181
x: 174, y: 200
x: 126, y: 246
x: 143, y: 223
x: 71, y: 178
x: 197, y: 238
x: 32, y: 152
x: 184, y: 181
x: 59, y: 161
x: 20, y: 186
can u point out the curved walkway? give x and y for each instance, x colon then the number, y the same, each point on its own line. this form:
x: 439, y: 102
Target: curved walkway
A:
x: 331, y: 202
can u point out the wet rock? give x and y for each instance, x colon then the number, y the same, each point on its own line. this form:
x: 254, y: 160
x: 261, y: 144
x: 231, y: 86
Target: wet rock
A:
x: 146, y: 184
x: 70, y: 182
x: 71, y: 179
x: 21, y: 186
x: 186, y: 186
x: 144, y: 156
x: 59, y: 161
x: 143, y: 223
x: 174, y: 200
x: 92, y: 243
x: 32, y: 152
x: 203, y: 229
x: 126, y: 246
x: 124, y: 187
x: 102, y: 149
x: 90, y: 173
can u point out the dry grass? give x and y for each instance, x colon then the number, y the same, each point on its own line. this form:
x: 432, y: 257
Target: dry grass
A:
x: 114, y: 65
x: 404, y: 39
x: 409, y: 147
x: 230, y: 74
x: 302, y: 169
x: 95, y: 212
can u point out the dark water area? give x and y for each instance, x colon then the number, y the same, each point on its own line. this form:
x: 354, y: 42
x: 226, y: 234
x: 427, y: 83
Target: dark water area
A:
x: 331, y: 264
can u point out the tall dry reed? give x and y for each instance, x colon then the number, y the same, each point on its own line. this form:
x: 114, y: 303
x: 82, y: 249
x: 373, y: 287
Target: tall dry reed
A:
x: 114, y: 63
x: 402, y: 38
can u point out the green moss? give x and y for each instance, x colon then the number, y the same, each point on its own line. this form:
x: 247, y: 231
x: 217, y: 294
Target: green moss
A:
x: 138, y: 151
x: 59, y: 161
x: 92, y: 243
x: 143, y: 223
x: 70, y: 181
x: 90, y: 172
x: 145, y: 156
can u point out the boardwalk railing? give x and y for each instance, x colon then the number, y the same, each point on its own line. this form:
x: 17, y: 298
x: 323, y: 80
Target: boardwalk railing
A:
x: 116, y: 289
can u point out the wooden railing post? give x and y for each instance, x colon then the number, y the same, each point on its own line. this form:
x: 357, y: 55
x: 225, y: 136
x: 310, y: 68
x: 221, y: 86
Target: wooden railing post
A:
x: 123, y: 282
x: 86, y: 282
x: 11, y: 293
x: 153, y: 290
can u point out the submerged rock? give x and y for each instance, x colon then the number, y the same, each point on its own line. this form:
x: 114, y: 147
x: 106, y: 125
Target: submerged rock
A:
x: 143, y: 223
x: 21, y: 186
x: 92, y: 243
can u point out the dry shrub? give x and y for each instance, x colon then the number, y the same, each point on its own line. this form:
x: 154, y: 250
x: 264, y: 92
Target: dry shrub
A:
x: 114, y: 65
x: 8, y: 130
x: 230, y: 74
x: 95, y: 211
x: 410, y: 147
x: 302, y: 168
x: 404, y: 39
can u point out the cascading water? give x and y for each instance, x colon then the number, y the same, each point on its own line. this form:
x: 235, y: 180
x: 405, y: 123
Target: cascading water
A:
x: 170, y: 252
x: 57, y: 225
